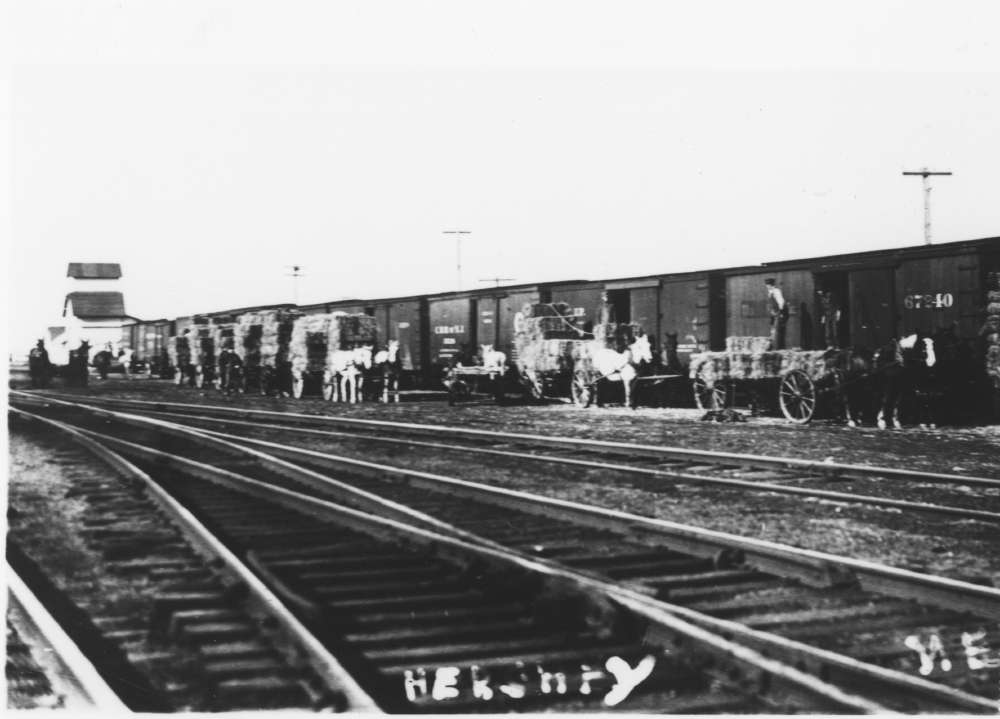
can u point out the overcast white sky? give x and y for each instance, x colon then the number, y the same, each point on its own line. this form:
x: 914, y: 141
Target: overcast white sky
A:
x: 207, y: 145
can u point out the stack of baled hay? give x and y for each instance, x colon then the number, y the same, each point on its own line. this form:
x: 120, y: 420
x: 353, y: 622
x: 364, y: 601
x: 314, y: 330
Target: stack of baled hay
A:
x: 991, y: 330
x: 350, y: 331
x: 316, y: 337
x: 262, y: 351
x: 179, y: 351
x: 748, y: 358
x: 547, y: 338
x: 309, y: 343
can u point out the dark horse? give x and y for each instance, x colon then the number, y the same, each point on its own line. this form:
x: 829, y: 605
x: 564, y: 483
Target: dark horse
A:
x: 903, y: 370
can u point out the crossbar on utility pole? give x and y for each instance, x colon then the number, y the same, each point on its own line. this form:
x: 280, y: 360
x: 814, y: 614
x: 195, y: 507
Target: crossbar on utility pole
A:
x: 925, y: 173
x: 498, y: 280
x: 458, y: 250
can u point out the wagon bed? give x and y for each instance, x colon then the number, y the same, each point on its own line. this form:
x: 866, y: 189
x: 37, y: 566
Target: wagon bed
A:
x: 801, y: 377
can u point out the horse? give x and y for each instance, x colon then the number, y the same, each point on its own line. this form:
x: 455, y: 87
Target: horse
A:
x: 388, y: 367
x: 344, y: 380
x: 855, y: 383
x: 900, y: 368
x: 614, y: 366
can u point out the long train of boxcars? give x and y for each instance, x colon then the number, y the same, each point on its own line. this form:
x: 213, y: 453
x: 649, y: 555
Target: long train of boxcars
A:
x: 882, y: 294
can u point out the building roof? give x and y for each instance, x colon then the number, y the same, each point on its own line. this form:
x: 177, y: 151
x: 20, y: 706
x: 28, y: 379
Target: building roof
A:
x: 94, y: 270
x: 90, y: 305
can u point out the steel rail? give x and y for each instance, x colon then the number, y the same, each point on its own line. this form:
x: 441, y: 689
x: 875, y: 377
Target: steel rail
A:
x: 756, y: 671
x: 816, y: 568
x: 835, y: 469
x: 72, y: 675
x: 810, y: 566
x: 292, y: 638
x: 675, y: 477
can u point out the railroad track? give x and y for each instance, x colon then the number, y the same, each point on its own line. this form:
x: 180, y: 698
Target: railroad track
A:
x: 855, y: 623
x: 965, y: 497
x: 429, y: 621
x: 45, y: 668
x: 172, y: 591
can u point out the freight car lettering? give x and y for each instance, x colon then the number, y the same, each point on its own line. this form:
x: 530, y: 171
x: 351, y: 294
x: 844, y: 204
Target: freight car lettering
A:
x: 928, y: 301
x: 449, y: 329
x: 448, y: 341
x: 487, y: 321
x: 402, y: 325
x: 522, y: 680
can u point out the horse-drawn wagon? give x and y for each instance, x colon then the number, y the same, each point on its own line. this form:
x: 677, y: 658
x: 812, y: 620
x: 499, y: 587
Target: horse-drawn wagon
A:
x: 487, y: 373
x: 557, y: 355
x: 799, y: 381
x: 331, y: 350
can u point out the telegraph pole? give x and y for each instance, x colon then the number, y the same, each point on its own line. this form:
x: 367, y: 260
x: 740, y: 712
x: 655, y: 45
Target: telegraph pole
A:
x: 925, y: 173
x: 498, y: 280
x: 458, y: 250
x: 295, y: 274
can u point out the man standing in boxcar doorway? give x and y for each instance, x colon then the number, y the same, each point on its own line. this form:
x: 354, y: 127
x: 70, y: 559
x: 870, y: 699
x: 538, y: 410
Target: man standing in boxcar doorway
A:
x: 830, y: 319
x: 778, y: 309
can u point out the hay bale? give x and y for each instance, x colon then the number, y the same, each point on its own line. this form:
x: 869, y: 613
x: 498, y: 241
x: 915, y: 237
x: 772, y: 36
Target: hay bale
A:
x: 752, y: 345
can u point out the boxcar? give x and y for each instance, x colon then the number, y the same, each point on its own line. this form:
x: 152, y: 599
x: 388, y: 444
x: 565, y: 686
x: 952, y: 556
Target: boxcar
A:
x: 405, y: 321
x: 684, y: 309
x: 452, y: 326
x: 584, y: 298
x: 497, y: 309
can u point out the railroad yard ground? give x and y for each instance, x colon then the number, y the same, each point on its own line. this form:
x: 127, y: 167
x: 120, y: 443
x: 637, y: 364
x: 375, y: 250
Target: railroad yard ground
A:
x: 961, y: 549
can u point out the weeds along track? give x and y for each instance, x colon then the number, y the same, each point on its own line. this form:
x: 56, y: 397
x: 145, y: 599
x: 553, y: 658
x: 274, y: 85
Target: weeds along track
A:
x: 860, y: 626
x: 427, y: 621
x: 45, y: 669
x: 947, y: 496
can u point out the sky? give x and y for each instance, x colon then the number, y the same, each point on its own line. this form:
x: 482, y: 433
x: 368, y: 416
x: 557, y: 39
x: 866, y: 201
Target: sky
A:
x: 207, y: 146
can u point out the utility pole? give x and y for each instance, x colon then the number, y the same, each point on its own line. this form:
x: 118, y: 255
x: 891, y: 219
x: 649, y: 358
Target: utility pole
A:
x: 498, y: 280
x: 295, y: 274
x: 925, y: 173
x: 458, y: 249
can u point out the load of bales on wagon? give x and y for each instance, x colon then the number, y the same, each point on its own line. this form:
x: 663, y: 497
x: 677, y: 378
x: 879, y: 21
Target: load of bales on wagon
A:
x: 193, y: 353
x: 800, y: 375
x: 314, y: 340
x: 547, y: 341
x: 262, y: 339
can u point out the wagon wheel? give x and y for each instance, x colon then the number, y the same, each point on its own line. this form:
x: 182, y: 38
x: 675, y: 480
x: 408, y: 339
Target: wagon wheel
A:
x: 297, y: 386
x: 797, y: 396
x: 581, y: 390
x: 709, y: 396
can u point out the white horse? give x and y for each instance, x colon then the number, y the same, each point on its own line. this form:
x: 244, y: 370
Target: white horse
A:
x: 621, y: 366
x: 387, y: 364
x: 494, y: 360
x: 344, y: 378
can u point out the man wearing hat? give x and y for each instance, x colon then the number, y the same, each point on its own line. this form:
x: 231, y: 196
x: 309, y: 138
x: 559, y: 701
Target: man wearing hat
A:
x: 778, y: 309
x: 38, y: 364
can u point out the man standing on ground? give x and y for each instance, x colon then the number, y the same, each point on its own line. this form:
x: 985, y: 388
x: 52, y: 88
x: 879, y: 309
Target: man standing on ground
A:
x: 38, y: 365
x: 778, y: 309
